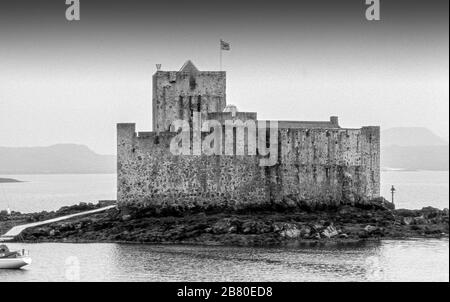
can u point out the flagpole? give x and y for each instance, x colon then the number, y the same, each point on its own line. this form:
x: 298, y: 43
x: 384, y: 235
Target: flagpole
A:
x: 220, y: 50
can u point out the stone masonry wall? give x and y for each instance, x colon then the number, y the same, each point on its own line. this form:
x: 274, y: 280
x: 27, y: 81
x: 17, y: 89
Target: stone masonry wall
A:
x: 176, y: 95
x: 329, y: 165
x: 315, y: 166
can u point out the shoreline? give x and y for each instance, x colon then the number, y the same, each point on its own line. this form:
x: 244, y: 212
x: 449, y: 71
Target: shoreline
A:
x: 9, y: 180
x: 343, y: 225
x: 291, y: 244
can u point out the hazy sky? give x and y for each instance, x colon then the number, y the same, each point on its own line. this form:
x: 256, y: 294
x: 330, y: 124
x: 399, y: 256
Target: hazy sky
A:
x: 71, y: 82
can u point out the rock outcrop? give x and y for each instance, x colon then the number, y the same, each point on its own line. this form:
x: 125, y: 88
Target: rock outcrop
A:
x: 259, y: 228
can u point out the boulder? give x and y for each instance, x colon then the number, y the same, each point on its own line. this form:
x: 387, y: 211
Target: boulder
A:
x: 232, y: 229
x: 380, y: 203
x: 316, y: 236
x: 407, y: 220
x: 255, y: 227
x: 345, y: 210
x: 370, y: 228
x: 316, y: 228
x: 248, y: 227
x: 374, y: 231
x: 329, y: 232
x: 420, y: 220
x: 363, y: 235
x: 291, y: 233
x: 277, y: 227
x: 445, y: 212
x: 430, y: 212
x: 288, y: 230
x: 126, y: 217
x: 262, y: 228
x: 289, y: 203
x: 223, y: 226
x: 305, y: 231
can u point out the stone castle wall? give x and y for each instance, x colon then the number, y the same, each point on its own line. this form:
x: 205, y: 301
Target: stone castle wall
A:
x: 315, y: 166
x: 176, y: 95
x: 318, y: 162
x: 329, y: 165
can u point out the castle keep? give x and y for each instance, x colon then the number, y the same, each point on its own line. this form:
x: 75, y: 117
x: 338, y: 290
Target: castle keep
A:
x: 318, y: 162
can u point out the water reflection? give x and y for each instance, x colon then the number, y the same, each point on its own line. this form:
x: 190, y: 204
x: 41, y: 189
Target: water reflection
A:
x: 411, y: 260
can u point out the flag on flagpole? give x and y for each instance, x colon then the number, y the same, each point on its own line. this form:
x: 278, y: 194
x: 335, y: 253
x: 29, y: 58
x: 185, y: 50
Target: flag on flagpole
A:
x: 224, y: 45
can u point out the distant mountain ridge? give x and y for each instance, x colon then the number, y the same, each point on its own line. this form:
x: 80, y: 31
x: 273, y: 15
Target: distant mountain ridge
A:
x: 56, y: 159
x: 413, y: 148
x: 401, y: 148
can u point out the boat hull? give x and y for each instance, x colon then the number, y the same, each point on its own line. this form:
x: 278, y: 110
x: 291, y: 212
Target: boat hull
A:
x: 14, y: 263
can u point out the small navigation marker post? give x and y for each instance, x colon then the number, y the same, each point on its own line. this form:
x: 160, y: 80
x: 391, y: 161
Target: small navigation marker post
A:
x: 392, y: 193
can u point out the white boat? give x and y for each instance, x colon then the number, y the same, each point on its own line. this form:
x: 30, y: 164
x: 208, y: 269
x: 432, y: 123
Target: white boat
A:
x: 14, y: 263
x: 13, y: 260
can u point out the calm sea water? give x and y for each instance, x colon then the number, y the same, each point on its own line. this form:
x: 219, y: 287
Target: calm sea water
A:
x: 409, y: 260
x: 50, y: 192
x: 422, y: 260
x: 417, y: 189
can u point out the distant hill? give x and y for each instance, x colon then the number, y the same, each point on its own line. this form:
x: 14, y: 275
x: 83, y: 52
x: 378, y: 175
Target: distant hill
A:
x: 411, y: 136
x: 413, y: 149
x: 64, y: 158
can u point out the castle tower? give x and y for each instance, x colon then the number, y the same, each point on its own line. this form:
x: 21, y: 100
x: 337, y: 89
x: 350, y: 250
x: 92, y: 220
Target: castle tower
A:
x: 177, y: 94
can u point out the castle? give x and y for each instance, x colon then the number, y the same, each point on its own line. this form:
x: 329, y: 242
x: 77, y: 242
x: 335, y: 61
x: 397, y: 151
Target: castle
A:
x: 317, y: 163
